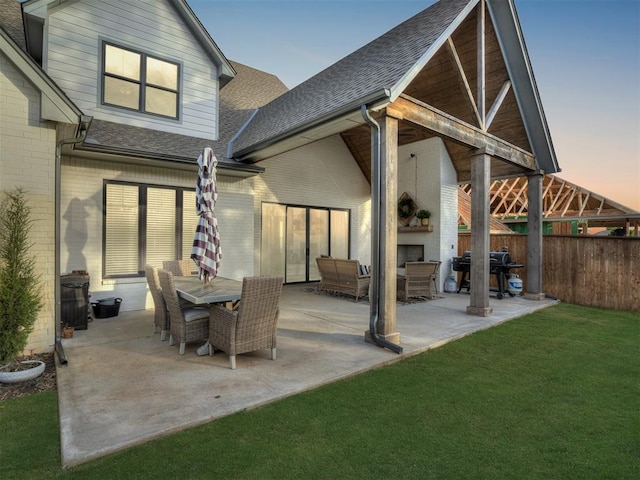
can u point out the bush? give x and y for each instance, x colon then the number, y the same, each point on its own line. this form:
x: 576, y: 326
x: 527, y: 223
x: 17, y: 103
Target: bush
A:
x: 19, y: 292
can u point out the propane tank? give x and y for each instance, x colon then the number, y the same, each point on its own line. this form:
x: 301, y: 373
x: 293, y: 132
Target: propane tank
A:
x: 450, y: 285
x: 514, y: 284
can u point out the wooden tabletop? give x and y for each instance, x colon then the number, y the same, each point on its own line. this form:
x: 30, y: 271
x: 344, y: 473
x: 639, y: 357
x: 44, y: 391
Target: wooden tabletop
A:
x: 218, y: 290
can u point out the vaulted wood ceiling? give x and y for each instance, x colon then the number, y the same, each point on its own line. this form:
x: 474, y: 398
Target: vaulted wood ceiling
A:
x: 449, y: 83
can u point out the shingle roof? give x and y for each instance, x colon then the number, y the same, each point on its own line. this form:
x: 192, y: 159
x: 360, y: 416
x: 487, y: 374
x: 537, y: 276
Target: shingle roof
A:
x: 376, y: 67
x: 250, y: 89
x: 11, y: 21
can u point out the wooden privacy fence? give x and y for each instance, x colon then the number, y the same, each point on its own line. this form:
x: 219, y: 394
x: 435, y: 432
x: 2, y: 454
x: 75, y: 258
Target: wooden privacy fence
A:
x: 593, y: 271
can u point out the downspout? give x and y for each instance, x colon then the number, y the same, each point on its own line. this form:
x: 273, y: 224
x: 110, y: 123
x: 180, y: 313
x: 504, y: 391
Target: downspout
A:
x: 85, y: 121
x: 376, y: 189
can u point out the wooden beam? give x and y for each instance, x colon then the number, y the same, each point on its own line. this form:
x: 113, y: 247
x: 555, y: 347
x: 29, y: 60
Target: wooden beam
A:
x: 462, y: 78
x: 481, y: 66
x: 480, y: 239
x: 506, y: 86
x: 389, y: 218
x: 441, y: 123
x: 534, y: 238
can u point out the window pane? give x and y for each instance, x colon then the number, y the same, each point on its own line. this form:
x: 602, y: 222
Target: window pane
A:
x: 123, y: 63
x: 122, y: 93
x: 160, y: 102
x: 121, y: 230
x: 296, y: 244
x: 189, y: 223
x: 339, y: 234
x: 273, y: 231
x: 161, y: 225
x: 318, y: 239
x: 162, y: 74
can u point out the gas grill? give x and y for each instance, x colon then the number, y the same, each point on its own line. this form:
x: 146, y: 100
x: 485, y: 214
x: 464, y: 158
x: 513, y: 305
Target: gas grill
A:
x: 500, y: 264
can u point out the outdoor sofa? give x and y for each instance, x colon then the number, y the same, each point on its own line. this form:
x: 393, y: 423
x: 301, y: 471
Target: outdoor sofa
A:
x: 343, y: 276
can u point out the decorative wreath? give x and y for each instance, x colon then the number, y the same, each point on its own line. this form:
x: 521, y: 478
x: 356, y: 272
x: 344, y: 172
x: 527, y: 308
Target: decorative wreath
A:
x: 406, y: 207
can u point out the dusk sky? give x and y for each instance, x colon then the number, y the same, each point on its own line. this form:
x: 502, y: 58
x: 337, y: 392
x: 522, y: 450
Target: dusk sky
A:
x: 585, y: 56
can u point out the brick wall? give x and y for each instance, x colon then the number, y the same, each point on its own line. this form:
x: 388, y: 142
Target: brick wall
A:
x: 27, y: 160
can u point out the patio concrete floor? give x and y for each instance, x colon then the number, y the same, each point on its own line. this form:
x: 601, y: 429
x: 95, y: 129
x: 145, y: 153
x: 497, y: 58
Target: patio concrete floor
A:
x: 122, y: 386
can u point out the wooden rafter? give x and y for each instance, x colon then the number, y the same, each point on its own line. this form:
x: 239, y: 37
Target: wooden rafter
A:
x: 462, y: 78
x: 561, y: 200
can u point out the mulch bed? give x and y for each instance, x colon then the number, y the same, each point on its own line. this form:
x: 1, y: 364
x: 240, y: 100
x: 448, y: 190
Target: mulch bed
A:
x: 43, y: 383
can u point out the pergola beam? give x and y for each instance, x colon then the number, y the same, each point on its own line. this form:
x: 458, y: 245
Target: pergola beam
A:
x: 441, y: 123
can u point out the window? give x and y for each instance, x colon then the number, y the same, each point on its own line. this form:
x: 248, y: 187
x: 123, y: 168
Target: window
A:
x: 141, y: 82
x: 293, y: 236
x: 146, y: 224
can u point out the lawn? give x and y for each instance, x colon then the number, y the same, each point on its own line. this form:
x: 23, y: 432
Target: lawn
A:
x: 553, y: 395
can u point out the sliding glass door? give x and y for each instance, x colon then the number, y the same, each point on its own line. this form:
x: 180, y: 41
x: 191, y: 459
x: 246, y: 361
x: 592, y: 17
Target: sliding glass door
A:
x: 293, y: 236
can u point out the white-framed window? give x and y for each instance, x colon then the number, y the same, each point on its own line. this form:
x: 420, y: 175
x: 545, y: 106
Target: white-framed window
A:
x: 139, y: 81
x: 145, y: 224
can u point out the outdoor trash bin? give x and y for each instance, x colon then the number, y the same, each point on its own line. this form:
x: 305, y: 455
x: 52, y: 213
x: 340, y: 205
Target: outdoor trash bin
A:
x: 74, y: 296
x: 107, y: 307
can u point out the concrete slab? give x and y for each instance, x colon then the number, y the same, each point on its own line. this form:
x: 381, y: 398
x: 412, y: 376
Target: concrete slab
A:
x: 123, y: 386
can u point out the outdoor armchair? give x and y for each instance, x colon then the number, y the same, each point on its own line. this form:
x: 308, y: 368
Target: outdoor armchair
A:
x: 253, y: 326
x: 418, y: 280
x: 187, y: 324
x: 160, y: 316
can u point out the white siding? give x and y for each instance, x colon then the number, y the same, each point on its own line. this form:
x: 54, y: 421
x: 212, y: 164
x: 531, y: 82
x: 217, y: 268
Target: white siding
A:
x: 27, y: 153
x: 321, y: 174
x: 437, y: 191
x: 81, y: 227
x: 74, y: 34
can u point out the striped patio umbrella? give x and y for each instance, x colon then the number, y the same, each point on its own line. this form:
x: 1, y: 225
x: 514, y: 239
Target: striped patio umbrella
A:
x: 206, y: 242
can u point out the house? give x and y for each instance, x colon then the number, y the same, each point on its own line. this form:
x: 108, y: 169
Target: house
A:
x: 117, y: 99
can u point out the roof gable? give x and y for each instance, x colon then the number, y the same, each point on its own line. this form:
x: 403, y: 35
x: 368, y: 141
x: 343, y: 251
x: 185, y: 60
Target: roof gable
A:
x: 36, y: 11
x: 403, y: 61
x: 373, y: 72
x: 55, y: 105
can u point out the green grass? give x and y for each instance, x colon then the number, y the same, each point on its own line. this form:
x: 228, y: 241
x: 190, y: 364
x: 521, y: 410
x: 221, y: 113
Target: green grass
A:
x: 553, y: 395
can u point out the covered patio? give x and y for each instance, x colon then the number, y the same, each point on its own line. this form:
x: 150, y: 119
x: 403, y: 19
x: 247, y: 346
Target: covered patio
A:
x: 123, y: 386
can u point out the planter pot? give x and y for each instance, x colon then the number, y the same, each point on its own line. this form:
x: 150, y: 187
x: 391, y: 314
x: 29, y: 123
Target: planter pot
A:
x: 67, y: 332
x: 23, y: 375
x: 424, y: 221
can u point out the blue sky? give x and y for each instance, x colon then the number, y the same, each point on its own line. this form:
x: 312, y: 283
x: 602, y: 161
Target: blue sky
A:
x: 585, y: 56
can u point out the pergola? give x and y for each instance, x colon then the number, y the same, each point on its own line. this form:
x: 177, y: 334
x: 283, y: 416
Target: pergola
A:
x: 458, y: 71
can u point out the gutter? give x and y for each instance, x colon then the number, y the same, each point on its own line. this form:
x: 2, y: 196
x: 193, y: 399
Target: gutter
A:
x: 85, y: 121
x: 379, y: 97
x: 376, y: 188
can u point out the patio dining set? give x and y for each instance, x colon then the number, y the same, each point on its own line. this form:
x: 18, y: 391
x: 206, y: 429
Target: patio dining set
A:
x: 232, y: 316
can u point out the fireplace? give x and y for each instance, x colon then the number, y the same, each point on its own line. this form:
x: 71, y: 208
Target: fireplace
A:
x: 410, y: 253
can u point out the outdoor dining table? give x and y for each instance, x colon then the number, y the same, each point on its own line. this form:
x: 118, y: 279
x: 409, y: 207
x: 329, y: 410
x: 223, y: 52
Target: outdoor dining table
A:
x: 218, y: 290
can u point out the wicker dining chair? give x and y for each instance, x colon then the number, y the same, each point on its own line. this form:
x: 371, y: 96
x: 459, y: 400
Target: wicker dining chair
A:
x: 253, y: 326
x: 186, y: 324
x: 160, y: 316
x: 181, y: 268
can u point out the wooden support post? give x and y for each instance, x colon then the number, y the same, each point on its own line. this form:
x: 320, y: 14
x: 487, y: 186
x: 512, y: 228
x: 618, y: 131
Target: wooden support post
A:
x: 480, y: 239
x: 388, y: 261
x: 533, y: 288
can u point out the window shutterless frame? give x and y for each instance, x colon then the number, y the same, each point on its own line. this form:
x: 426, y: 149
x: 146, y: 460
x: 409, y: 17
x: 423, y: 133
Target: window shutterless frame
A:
x: 129, y: 86
x: 137, y: 227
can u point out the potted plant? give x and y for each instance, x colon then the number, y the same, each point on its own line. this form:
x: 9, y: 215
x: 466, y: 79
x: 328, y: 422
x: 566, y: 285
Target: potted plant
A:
x: 424, y: 215
x: 19, y: 290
